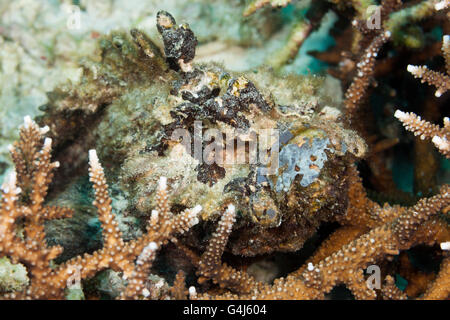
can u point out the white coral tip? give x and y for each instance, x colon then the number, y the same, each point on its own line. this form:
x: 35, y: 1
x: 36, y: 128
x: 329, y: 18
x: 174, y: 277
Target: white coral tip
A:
x: 145, y: 292
x: 231, y: 208
x: 441, y: 143
x: 162, y: 183
x: 27, y: 121
x: 93, y: 155
x: 196, y: 210
x: 400, y: 115
x: 192, y: 291
x: 9, y: 185
x: 412, y: 68
x: 446, y: 40
x: 441, y: 5
x: 47, y: 144
x: 154, y: 217
x: 153, y: 246
x: 445, y: 245
x: 44, y: 130
x: 147, y: 253
x: 93, y: 159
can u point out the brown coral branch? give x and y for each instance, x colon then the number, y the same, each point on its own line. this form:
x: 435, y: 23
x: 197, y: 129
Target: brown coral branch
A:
x: 439, y: 80
x: 133, y: 258
x: 178, y: 290
x: 426, y: 130
x: 112, y: 237
x: 211, y: 258
x: 136, y: 283
x: 332, y: 244
x: 446, y: 52
x: 440, y: 288
x: 390, y: 290
x: 210, y: 264
x: 433, y: 78
x: 365, y: 69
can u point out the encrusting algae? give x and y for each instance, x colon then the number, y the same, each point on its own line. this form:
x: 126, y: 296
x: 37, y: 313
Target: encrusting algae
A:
x: 262, y: 158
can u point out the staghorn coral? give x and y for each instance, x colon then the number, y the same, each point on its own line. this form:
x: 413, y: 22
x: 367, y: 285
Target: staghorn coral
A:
x: 391, y: 292
x: 357, y: 90
x: 439, y: 289
x: 342, y: 258
x: 426, y: 130
x: 23, y: 196
x: 434, y: 78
